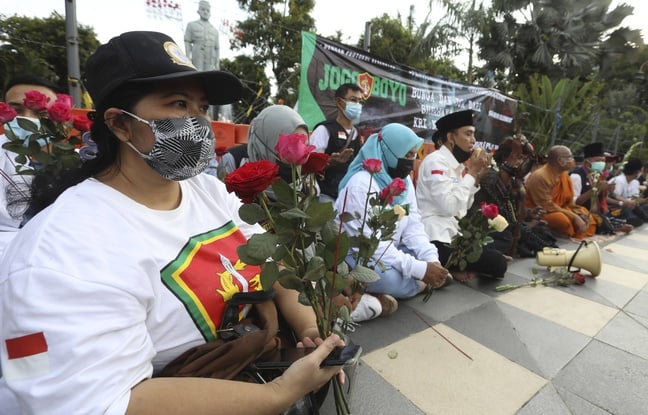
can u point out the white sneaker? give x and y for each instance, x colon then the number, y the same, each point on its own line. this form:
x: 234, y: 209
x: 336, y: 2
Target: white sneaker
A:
x: 367, y: 309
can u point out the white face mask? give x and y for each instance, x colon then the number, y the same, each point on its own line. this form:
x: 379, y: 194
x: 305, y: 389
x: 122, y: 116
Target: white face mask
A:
x: 182, y: 149
x: 597, y: 166
x: 23, y: 133
x: 353, y: 111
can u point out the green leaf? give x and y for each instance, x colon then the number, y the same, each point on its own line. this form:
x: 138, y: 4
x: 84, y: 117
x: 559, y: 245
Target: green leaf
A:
x: 291, y: 282
x: 474, y: 255
x: 63, y: 146
x: 340, y: 283
x: 269, y: 275
x: 343, y: 269
x: 462, y: 264
x: 242, y: 251
x: 319, y: 214
x: 262, y: 246
x: 329, y: 232
x: 316, y: 269
x: 466, y: 233
x: 363, y: 274
x: 252, y: 213
x: 27, y: 125
x: 294, y: 213
x: 283, y: 191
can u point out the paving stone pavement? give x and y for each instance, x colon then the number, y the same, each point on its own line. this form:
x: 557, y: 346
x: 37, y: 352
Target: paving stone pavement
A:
x: 580, y: 349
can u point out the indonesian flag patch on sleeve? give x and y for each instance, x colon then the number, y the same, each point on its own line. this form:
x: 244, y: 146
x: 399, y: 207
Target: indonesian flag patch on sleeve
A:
x: 27, y: 357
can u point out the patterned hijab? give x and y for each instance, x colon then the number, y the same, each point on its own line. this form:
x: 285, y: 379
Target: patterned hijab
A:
x: 393, y: 141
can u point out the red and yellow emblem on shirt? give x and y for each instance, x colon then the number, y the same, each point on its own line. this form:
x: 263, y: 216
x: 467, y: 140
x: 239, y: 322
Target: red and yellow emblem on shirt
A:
x: 207, y: 273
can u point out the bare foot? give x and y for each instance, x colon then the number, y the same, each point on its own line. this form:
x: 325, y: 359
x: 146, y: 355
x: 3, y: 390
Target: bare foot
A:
x: 463, y: 276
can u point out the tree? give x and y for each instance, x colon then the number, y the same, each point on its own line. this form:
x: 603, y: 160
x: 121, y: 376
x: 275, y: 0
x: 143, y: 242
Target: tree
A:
x: 564, y: 110
x: 556, y: 38
x: 428, y: 49
x: 257, y: 85
x: 273, y: 31
x: 37, y: 46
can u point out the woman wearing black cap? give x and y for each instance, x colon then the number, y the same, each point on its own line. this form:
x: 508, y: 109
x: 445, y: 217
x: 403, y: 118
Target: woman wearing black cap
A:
x: 447, y: 182
x: 134, y: 263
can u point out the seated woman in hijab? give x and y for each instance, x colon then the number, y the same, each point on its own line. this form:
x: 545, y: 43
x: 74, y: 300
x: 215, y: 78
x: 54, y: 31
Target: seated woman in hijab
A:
x: 264, y: 133
x: 410, y: 261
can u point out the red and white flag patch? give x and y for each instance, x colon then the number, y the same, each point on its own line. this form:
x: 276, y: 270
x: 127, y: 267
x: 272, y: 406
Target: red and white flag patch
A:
x: 437, y: 172
x: 27, y: 357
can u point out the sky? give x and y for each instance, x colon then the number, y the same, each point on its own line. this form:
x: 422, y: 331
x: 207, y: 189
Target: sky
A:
x: 111, y: 17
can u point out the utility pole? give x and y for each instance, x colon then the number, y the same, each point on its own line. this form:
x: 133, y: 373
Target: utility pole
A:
x: 367, y: 36
x: 72, y: 48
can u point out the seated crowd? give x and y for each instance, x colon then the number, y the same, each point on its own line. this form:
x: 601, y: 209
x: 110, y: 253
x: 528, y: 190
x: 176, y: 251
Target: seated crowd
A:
x: 123, y: 325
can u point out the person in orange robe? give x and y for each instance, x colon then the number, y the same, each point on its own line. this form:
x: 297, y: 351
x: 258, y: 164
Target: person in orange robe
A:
x: 551, y: 188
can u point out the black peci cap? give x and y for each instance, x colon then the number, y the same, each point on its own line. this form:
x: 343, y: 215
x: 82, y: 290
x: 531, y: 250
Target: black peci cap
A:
x: 136, y: 57
x: 453, y: 121
x: 593, y: 150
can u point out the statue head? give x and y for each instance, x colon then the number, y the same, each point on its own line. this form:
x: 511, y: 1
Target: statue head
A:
x: 204, y: 10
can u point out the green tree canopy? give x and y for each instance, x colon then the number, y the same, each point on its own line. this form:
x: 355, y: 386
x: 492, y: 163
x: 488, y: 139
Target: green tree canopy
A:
x: 273, y: 31
x: 37, y: 46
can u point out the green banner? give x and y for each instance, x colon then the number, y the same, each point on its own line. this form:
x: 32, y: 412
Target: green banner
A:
x: 393, y: 92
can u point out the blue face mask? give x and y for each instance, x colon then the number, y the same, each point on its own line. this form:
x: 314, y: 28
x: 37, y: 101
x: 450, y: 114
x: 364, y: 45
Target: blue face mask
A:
x: 353, y: 111
x: 20, y: 132
x: 597, y: 166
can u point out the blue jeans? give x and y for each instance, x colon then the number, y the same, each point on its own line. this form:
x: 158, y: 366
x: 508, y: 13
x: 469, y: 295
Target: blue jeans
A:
x: 391, y: 281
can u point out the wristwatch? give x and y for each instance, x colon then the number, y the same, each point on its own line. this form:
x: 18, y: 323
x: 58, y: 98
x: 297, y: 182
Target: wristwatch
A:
x: 620, y: 202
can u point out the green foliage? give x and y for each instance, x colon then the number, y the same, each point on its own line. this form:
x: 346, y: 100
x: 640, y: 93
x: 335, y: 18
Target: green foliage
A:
x: 556, y: 38
x: 37, y: 46
x: 430, y: 48
x: 257, y: 86
x: 273, y: 31
x: 52, y: 159
x: 576, y: 103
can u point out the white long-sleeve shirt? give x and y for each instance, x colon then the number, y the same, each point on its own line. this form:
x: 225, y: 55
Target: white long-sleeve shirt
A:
x: 409, y: 231
x: 443, y: 193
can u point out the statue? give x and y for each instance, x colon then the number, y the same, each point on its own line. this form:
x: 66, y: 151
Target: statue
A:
x: 203, y: 48
x: 201, y: 40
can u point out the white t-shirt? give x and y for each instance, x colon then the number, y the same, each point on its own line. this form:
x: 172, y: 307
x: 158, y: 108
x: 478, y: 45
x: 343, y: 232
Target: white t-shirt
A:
x: 9, y: 225
x: 116, y: 290
x: 624, y: 189
x: 409, y: 231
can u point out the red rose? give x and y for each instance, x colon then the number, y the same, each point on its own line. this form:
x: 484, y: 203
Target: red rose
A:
x: 35, y: 100
x: 579, y: 278
x: 60, y: 112
x: 316, y: 163
x: 7, y: 113
x: 66, y: 99
x: 81, y: 123
x: 489, y: 210
x: 251, y: 179
x: 292, y: 148
x: 372, y: 165
x: 393, y: 189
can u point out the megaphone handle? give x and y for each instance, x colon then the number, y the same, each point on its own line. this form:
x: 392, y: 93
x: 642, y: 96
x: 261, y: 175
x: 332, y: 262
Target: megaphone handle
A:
x: 571, y: 260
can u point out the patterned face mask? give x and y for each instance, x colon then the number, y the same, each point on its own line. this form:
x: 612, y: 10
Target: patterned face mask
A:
x: 183, y: 146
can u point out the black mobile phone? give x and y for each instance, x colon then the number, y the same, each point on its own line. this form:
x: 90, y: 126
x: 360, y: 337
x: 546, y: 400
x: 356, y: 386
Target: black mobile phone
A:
x: 340, y: 356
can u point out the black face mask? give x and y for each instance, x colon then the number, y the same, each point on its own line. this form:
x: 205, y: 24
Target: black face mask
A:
x: 459, y: 154
x: 403, y: 168
x: 511, y: 171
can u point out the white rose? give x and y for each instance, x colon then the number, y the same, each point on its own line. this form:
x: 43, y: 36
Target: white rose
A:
x: 398, y: 209
x: 499, y: 223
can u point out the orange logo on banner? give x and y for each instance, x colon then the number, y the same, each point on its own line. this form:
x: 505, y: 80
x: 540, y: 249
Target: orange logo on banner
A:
x: 365, y: 82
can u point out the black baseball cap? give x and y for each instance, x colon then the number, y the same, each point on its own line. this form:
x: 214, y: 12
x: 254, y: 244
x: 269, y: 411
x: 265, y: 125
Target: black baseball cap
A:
x: 139, y: 57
